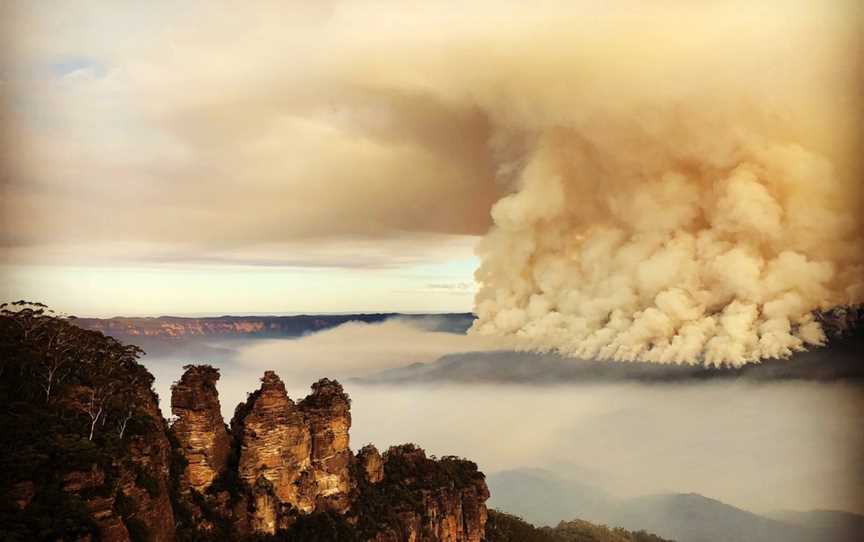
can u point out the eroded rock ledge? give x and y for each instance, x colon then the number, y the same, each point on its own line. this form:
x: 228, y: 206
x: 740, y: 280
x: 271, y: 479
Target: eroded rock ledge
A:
x: 287, y: 469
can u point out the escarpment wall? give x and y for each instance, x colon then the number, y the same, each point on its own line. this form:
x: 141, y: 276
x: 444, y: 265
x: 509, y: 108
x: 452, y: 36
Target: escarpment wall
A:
x: 293, y: 461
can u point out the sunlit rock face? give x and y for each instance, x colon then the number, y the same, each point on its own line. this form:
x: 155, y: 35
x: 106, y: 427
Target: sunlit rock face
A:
x: 276, y: 444
x: 284, y: 469
x: 452, y: 493
x: 328, y: 414
x: 199, y: 428
x: 371, y: 463
x: 293, y: 461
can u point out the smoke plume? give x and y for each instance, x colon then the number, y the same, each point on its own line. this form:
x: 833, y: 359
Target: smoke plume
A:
x: 681, y: 181
x: 689, y: 192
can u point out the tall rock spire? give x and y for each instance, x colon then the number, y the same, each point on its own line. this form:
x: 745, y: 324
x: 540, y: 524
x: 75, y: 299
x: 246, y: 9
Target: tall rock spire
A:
x: 328, y: 412
x: 199, y: 427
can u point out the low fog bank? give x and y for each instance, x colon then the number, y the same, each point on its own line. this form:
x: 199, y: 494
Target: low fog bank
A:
x: 351, y: 350
x: 356, y: 348
x: 759, y: 446
x: 762, y: 445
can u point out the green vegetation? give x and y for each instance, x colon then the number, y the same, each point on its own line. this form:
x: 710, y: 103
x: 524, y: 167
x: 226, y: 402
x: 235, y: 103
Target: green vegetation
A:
x: 579, y: 531
x: 503, y: 527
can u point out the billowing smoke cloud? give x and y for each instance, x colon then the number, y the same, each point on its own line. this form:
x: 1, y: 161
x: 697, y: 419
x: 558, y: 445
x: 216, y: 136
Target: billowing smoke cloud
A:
x: 681, y: 180
x: 685, y: 195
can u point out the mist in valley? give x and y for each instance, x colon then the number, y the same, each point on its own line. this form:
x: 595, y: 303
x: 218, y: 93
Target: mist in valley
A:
x: 761, y: 446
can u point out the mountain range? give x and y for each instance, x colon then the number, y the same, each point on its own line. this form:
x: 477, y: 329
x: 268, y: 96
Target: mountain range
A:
x: 543, y: 498
x: 178, y: 327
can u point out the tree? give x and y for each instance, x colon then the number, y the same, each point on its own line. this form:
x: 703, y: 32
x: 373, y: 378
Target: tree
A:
x: 44, y: 346
x: 110, y: 382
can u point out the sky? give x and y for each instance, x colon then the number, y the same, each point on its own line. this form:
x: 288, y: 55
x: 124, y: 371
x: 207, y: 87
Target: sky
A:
x: 192, y: 158
x: 342, y: 155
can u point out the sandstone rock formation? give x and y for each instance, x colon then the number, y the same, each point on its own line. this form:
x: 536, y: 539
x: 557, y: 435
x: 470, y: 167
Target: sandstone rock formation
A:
x: 276, y: 446
x: 199, y: 428
x: 141, y: 479
x: 295, y: 456
x: 101, y: 507
x: 371, y: 463
x: 328, y: 414
x: 147, y: 482
x: 447, y: 501
x: 95, y: 459
x: 295, y: 462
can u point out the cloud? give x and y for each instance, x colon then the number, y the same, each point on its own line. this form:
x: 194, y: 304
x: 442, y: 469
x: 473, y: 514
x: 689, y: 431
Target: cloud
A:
x: 270, y: 147
x: 673, y: 182
x: 689, y: 195
x: 638, y: 439
x: 358, y: 348
x: 348, y: 253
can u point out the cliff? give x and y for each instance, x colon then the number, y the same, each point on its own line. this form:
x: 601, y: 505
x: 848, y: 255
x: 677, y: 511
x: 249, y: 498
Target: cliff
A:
x: 328, y: 414
x: 422, y: 499
x: 85, y: 455
x: 275, y: 455
x: 174, y: 327
x: 199, y: 429
x: 295, y: 473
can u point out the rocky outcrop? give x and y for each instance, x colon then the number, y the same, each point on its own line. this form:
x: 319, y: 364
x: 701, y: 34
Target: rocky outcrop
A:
x: 294, y: 464
x: 101, y: 507
x: 145, y: 478
x: 93, y: 459
x: 275, y: 452
x: 371, y: 464
x: 138, y: 498
x: 294, y: 456
x: 199, y: 428
x: 429, y: 500
x: 328, y: 415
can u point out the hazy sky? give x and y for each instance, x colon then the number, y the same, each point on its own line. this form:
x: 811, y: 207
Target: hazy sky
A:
x: 190, y: 157
x: 175, y: 156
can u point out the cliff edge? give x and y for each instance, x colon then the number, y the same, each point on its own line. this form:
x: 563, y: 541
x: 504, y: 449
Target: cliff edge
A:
x: 293, y: 472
